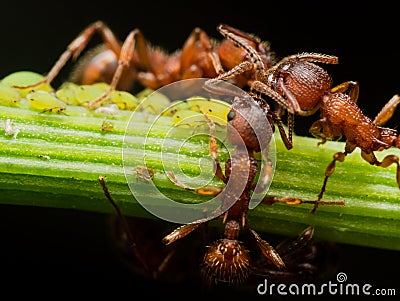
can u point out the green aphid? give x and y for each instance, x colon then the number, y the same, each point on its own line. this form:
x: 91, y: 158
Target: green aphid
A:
x: 9, y: 96
x: 188, y: 119
x: 217, y: 110
x: 86, y: 94
x: 46, y: 102
x: 21, y: 79
x: 175, y: 106
x: 154, y: 103
x: 124, y: 100
x: 67, y: 93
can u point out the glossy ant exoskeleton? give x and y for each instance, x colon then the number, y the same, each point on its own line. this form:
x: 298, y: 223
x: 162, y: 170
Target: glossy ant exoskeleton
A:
x: 341, y: 116
x: 295, y: 82
x: 228, y: 260
x: 302, y: 87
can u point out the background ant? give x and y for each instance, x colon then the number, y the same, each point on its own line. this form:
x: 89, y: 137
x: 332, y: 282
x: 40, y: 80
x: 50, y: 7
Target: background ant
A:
x: 121, y: 64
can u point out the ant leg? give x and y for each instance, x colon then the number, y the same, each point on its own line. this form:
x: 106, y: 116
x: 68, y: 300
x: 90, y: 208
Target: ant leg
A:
x: 286, y: 138
x: 77, y: 45
x: 188, y: 51
x: 217, y: 166
x: 124, y: 60
x: 339, y: 156
x: 290, y: 246
x: 270, y: 200
x: 182, y: 231
x: 262, y: 47
x: 211, y: 85
x: 202, y: 190
x: 133, y: 246
x: 214, y: 150
x: 386, y: 162
x: 387, y: 111
x: 311, y: 57
x: 351, y: 86
x: 268, y: 251
x: 325, y: 130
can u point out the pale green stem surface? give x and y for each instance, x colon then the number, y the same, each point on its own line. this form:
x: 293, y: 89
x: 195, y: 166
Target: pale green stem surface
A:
x: 55, y: 161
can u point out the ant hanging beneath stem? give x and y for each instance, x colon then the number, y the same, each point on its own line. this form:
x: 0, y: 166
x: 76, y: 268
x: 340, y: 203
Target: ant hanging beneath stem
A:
x: 227, y: 259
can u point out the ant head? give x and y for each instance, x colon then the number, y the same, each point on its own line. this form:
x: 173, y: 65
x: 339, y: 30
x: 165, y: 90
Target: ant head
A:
x: 227, y: 260
x: 248, y: 125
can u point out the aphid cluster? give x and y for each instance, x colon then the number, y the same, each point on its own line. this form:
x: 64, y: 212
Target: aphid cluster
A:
x: 294, y: 85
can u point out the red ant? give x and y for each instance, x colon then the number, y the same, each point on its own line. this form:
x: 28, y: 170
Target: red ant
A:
x: 135, y: 59
x: 228, y: 260
x: 302, y: 87
x: 341, y: 116
x: 295, y: 82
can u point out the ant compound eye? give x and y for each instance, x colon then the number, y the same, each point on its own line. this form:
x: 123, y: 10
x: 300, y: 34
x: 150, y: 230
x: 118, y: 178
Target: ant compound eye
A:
x: 230, y: 115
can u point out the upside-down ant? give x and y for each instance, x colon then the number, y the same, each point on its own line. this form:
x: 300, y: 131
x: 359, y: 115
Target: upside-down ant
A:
x: 228, y: 260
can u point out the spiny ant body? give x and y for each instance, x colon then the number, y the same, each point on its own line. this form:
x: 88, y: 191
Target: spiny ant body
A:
x: 302, y: 87
x: 341, y: 116
x: 228, y: 260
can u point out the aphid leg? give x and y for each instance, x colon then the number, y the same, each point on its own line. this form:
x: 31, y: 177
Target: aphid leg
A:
x: 77, y: 45
x: 387, y: 161
x: 133, y: 245
x: 217, y: 166
x: 387, y: 111
x: 268, y: 251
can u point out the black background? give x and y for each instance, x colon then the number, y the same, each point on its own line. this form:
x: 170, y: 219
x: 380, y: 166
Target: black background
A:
x: 40, y: 244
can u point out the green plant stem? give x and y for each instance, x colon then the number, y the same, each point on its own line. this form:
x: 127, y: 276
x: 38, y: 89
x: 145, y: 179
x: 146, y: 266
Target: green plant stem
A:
x: 55, y: 161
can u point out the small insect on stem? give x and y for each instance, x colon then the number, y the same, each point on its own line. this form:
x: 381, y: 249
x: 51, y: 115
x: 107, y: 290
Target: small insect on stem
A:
x: 46, y: 102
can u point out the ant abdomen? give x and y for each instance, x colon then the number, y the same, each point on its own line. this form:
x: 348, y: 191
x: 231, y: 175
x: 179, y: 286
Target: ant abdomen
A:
x: 226, y: 260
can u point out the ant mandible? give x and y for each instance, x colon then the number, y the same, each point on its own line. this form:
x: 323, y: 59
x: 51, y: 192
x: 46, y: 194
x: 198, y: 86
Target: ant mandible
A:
x: 135, y: 59
x: 341, y: 116
x: 227, y: 259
